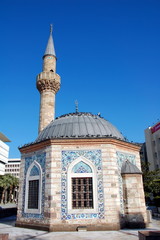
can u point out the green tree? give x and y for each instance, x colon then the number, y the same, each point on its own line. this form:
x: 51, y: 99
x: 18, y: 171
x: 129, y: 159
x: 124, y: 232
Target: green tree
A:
x: 151, y: 182
x: 7, y: 182
x: 14, y: 184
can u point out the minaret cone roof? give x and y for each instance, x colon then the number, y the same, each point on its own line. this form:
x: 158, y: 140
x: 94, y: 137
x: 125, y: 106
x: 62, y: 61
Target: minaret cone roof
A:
x: 50, y: 45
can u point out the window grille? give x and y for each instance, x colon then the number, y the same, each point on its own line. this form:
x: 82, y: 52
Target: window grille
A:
x: 82, y: 193
x: 33, y: 194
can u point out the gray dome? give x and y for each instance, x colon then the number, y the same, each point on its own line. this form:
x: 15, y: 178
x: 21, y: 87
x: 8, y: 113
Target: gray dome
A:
x: 79, y: 125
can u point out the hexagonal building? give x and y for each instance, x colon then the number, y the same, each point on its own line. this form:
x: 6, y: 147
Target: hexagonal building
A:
x: 80, y: 172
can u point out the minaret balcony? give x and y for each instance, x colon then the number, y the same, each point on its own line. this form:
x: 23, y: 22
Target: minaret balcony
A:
x: 48, y: 75
x: 48, y: 81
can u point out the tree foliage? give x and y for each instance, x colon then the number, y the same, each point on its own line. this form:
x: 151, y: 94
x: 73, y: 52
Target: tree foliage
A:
x: 8, y: 183
x: 151, y: 182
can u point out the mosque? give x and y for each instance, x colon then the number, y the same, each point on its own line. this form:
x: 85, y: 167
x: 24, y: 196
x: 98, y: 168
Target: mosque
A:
x: 80, y: 172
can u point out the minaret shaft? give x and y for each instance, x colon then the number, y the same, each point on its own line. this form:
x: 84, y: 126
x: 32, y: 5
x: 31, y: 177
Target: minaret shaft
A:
x: 47, y: 108
x: 49, y: 63
x: 48, y: 83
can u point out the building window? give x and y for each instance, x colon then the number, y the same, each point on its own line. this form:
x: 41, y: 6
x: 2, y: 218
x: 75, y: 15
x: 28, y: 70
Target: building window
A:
x: 82, y: 193
x: 33, y: 189
x: 82, y: 187
x: 33, y: 193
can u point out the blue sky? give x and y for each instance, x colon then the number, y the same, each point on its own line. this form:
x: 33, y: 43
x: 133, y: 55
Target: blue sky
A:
x: 108, y: 55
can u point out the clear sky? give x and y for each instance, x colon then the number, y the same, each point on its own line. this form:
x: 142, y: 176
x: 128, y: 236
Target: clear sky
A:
x: 108, y: 55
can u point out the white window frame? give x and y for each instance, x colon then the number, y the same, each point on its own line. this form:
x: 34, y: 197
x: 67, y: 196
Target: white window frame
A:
x: 71, y: 175
x: 31, y: 178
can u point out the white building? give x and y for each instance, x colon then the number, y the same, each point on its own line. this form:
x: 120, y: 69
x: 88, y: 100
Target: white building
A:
x: 13, y: 167
x: 4, y: 151
x: 152, y: 137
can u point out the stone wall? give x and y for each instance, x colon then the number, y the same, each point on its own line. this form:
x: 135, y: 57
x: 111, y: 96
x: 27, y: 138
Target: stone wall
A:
x: 135, y: 209
x: 111, y: 213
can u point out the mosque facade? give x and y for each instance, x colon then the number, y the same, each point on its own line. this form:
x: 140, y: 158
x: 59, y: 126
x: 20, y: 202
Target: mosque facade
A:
x: 80, y: 172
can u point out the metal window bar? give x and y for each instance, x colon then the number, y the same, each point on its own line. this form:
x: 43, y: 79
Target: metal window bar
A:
x: 82, y: 193
x: 33, y: 194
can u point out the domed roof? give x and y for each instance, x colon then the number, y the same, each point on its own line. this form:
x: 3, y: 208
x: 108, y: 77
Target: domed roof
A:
x: 79, y: 125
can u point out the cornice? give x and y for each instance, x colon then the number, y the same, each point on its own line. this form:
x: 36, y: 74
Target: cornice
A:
x: 74, y: 142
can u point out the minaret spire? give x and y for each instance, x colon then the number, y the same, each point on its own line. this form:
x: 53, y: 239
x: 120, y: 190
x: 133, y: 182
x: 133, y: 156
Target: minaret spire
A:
x: 48, y: 83
x: 50, y: 50
x: 51, y: 28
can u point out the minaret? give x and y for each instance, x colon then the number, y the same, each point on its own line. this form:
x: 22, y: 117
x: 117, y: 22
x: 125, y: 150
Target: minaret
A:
x: 48, y: 83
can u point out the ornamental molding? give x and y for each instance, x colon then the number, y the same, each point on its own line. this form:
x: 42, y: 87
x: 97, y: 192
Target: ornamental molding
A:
x: 34, y: 146
x: 48, y: 81
x: 47, y: 84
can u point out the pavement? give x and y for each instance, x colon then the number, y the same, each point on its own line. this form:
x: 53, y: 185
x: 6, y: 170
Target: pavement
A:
x: 8, y: 205
x: 7, y: 225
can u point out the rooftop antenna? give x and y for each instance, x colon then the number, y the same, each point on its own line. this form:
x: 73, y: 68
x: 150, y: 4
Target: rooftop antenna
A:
x: 76, y: 104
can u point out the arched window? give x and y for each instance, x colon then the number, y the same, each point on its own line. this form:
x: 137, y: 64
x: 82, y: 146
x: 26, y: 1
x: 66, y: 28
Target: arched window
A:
x: 82, y: 190
x: 33, y: 189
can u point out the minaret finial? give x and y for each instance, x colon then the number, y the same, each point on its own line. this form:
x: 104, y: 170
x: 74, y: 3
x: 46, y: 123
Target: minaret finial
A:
x: 76, y: 103
x: 51, y: 28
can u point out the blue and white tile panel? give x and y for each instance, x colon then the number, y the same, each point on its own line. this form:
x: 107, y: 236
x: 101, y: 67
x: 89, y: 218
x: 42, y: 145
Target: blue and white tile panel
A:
x: 67, y: 158
x: 41, y: 159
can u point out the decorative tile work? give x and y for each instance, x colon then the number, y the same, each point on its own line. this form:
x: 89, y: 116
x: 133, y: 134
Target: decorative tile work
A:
x: 121, y: 157
x: 81, y: 167
x: 41, y: 159
x: 67, y: 158
x: 34, y: 171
